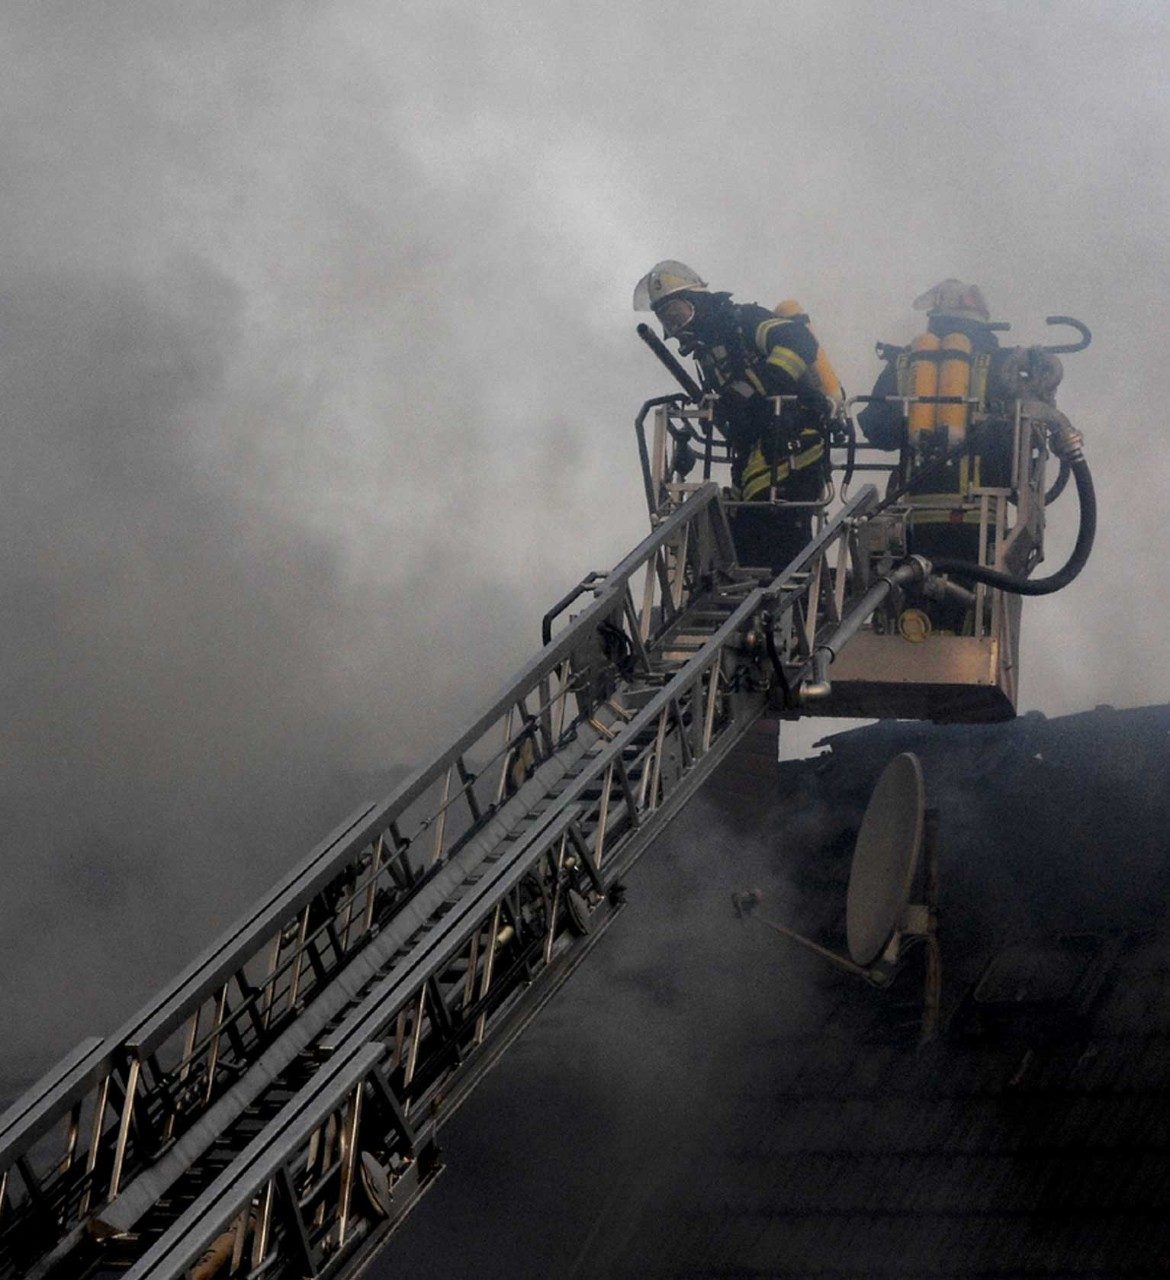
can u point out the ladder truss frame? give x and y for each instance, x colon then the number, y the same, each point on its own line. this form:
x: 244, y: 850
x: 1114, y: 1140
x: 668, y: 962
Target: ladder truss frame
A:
x: 411, y: 945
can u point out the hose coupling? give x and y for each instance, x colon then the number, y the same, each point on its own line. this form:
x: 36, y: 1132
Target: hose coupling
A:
x: 913, y: 571
x: 1066, y: 441
x: 1068, y: 444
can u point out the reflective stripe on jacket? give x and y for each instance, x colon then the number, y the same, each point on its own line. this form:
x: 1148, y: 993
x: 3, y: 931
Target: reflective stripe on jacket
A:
x: 780, y: 341
x: 752, y: 356
x: 757, y: 472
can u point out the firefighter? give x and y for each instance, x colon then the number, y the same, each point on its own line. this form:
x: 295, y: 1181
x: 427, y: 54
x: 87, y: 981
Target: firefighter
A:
x: 958, y: 356
x: 746, y: 355
x: 954, y: 310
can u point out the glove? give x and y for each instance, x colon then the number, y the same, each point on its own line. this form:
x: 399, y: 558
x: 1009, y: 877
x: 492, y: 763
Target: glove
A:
x: 824, y: 407
x: 746, y: 414
x: 832, y: 409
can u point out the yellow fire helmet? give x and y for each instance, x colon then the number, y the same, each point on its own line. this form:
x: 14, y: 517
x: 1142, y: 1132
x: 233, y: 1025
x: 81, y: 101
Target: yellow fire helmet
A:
x: 663, y: 279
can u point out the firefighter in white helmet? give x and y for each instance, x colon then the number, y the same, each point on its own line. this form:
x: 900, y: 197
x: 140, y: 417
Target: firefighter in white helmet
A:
x: 746, y: 355
x: 949, y: 395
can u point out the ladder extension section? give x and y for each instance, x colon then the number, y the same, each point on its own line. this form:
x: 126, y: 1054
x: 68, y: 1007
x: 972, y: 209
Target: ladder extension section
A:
x: 273, y: 1112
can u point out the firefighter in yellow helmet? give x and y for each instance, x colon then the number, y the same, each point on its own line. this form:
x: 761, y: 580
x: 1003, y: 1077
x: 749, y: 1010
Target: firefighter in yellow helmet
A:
x: 746, y: 355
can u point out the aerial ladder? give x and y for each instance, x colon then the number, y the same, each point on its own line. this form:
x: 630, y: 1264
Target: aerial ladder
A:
x: 274, y: 1112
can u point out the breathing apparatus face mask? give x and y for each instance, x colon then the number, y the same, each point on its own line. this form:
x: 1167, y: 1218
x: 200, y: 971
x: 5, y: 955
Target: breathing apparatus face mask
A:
x: 676, y: 314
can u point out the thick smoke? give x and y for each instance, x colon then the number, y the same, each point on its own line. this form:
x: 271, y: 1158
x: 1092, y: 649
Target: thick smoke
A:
x: 318, y: 373
x: 608, y: 1094
x: 643, y: 1103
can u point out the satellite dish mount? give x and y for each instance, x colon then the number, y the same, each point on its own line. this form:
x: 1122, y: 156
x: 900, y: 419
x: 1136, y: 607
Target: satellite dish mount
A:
x: 892, y: 900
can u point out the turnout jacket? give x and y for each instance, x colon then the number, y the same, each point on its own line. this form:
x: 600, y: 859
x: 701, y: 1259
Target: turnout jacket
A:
x: 746, y: 355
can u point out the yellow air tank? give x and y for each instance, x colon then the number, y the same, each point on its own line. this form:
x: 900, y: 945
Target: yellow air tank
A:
x: 954, y: 379
x: 830, y: 383
x: 923, y: 382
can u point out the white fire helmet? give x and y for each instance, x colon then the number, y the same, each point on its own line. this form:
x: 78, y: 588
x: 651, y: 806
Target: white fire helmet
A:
x: 664, y: 279
x: 954, y: 299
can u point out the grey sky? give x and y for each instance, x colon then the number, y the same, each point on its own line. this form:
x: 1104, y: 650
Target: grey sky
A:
x: 319, y: 373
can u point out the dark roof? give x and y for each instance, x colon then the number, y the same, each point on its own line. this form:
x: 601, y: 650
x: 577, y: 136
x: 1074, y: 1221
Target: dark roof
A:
x: 705, y: 1099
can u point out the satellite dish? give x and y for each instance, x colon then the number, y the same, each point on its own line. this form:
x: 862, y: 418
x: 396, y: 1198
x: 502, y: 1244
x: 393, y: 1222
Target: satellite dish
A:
x: 880, y: 919
x: 885, y: 859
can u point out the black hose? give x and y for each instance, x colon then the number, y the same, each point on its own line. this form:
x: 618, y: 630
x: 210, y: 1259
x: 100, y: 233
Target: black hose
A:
x: 850, y: 432
x: 1062, y: 577
x: 1058, y: 484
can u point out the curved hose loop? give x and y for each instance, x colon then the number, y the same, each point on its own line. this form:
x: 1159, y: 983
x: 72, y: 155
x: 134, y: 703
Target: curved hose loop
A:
x: 1058, y: 485
x: 1063, y: 576
x: 1066, y: 348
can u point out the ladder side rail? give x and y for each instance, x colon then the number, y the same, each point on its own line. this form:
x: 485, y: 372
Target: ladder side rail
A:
x: 107, y: 1128
x: 345, y: 1223
x: 453, y: 1089
x: 227, y: 954
x: 42, y: 1106
x: 780, y: 592
x: 607, y: 604
x: 399, y: 989
x: 126, y: 1158
x: 386, y: 952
